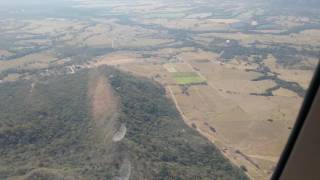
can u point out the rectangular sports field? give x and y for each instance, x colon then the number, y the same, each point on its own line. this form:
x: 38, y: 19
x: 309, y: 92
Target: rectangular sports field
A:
x: 184, y: 78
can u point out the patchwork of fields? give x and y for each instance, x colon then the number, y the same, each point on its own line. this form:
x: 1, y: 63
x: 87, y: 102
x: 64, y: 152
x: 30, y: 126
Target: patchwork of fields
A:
x: 237, y: 71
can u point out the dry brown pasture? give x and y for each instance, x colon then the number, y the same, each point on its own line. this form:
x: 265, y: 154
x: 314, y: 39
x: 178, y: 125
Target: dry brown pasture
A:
x: 289, y: 21
x: 240, y: 120
x: 304, y: 38
x: 37, y: 60
x: 192, y: 24
x: 250, y: 130
x: 51, y: 26
x: 117, y: 58
x: 121, y: 36
x: 300, y: 76
x: 4, y: 53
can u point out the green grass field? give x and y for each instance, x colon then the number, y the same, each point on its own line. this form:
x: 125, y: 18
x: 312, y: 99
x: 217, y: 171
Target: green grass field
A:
x: 184, y: 78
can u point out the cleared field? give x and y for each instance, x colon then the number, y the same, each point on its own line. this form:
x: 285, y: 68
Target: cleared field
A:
x: 191, y: 24
x: 199, y: 15
x: 198, y: 55
x: 51, y: 26
x: 284, y: 92
x: 4, y: 53
x: 294, y: 74
x: 239, y: 123
x: 119, y: 36
x: 303, y: 38
x: 185, y: 78
x: 170, y: 68
x: 164, y: 15
x: 250, y: 130
x: 114, y: 59
x: 36, y: 60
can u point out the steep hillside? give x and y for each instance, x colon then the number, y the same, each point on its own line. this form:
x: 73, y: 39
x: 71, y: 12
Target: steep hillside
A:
x: 100, y: 124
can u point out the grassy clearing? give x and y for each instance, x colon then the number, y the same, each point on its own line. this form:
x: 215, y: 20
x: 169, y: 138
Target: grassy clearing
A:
x: 184, y: 78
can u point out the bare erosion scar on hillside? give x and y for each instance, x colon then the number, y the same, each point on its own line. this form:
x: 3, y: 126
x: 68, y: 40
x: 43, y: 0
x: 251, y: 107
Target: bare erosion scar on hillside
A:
x: 104, y: 109
x: 104, y: 105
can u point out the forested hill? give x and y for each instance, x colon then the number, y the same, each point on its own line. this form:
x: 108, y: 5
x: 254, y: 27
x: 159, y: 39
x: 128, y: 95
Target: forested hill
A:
x: 50, y: 129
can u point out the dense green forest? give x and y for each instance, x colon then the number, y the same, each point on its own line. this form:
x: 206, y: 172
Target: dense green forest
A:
x: 47, y: 131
